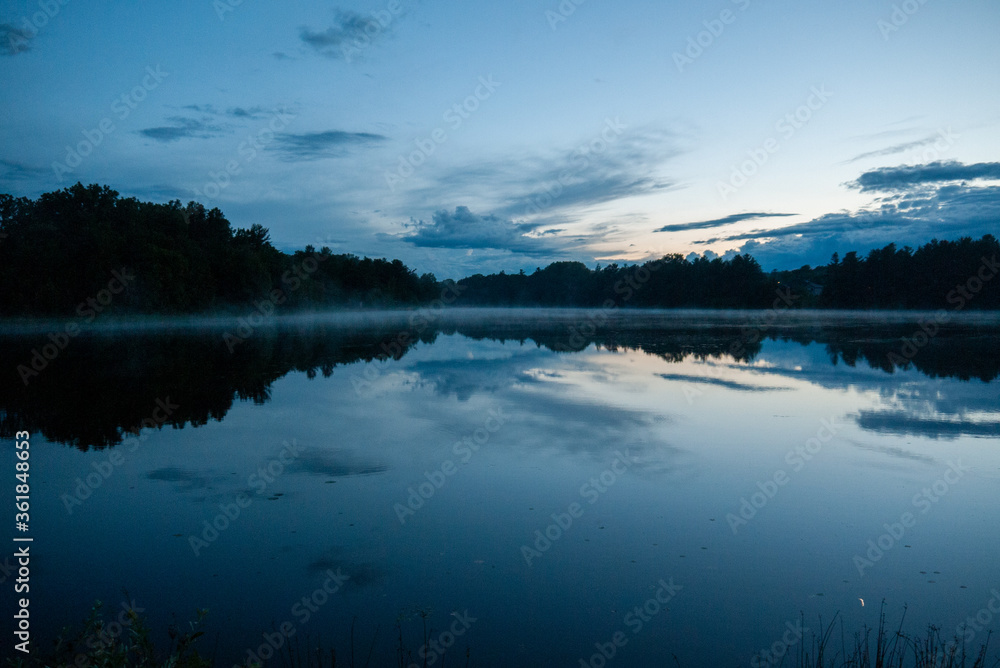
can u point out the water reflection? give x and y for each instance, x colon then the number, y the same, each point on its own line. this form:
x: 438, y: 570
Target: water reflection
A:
x: 700, y: 426
x: 103, y: 386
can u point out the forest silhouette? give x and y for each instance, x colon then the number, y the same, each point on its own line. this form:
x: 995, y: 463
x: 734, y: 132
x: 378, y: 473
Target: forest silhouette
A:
x: 84, y: 251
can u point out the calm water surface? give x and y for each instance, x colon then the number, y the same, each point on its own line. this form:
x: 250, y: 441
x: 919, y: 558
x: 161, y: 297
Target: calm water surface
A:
x: 532, y: 484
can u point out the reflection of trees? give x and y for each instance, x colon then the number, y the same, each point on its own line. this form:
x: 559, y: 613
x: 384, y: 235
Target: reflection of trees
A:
x: 101, y: 387
x: 974, y: 355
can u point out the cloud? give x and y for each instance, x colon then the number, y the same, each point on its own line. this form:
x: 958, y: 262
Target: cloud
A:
x: 16, y: 171
x: 249, y: 113
x: 720, y: 382
x: 895, y: 149
x: 904, y: 423
x: 349, y: 33
x: 553, y: 188
x: 890, y: 179
x: 319, y: 145
x: 467, y: 230
x: 912, y: 219
x: 182, y: 128
x: 720, y: 222
x: 13, y: 40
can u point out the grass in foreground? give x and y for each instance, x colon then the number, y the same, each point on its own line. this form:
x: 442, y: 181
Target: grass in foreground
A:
x: 127, y: 644
x: 878, y: 648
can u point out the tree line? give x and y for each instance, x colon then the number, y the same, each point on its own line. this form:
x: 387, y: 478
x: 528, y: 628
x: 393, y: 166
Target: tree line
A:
x: 75, y: 249
x: 86, y: 249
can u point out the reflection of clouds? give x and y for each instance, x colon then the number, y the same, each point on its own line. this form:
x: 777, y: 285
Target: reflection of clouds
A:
x: 360, y: 573
x: 184, y: 480
x: 538, y: 389
x: 549, y: 416
x: 720, y: 382
x: 911, y: 403
x: 893, y: 452
x: 903, y: 422
x: 333, y: 463
x: 466, y: 378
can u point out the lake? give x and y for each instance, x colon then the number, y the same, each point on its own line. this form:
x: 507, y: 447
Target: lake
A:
x: 535, y: 488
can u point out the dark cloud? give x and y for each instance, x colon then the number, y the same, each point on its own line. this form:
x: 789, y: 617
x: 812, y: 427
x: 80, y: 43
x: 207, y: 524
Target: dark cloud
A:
x: 15, y: 171
x: 13, y: 40
x: 249, y: 113
x: 903, y: 423
x: 182, y: 128
x: 333, y: 464
x: 349, y: 33
x: 468, y: 230
x: 183, y: 479
x: 720, y: 382
x: 319, y: 145
x: 720, y: 222
x: 934, y: 201
x: 905, y: 177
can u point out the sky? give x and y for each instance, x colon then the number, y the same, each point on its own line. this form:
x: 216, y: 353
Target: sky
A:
x: 473, y: 138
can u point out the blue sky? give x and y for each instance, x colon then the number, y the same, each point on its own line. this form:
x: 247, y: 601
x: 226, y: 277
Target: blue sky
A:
x: 474, y: 138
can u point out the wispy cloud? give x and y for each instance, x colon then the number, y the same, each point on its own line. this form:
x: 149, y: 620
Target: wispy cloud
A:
x: 341, y: 38
x: 555, y: 187
x: 247, y: 112
x: 16, y: 171
x: 181, y: 128
x: 719, y: 222
x: 896, y: 148
x: 889, y: 179
x: 319, y: 145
